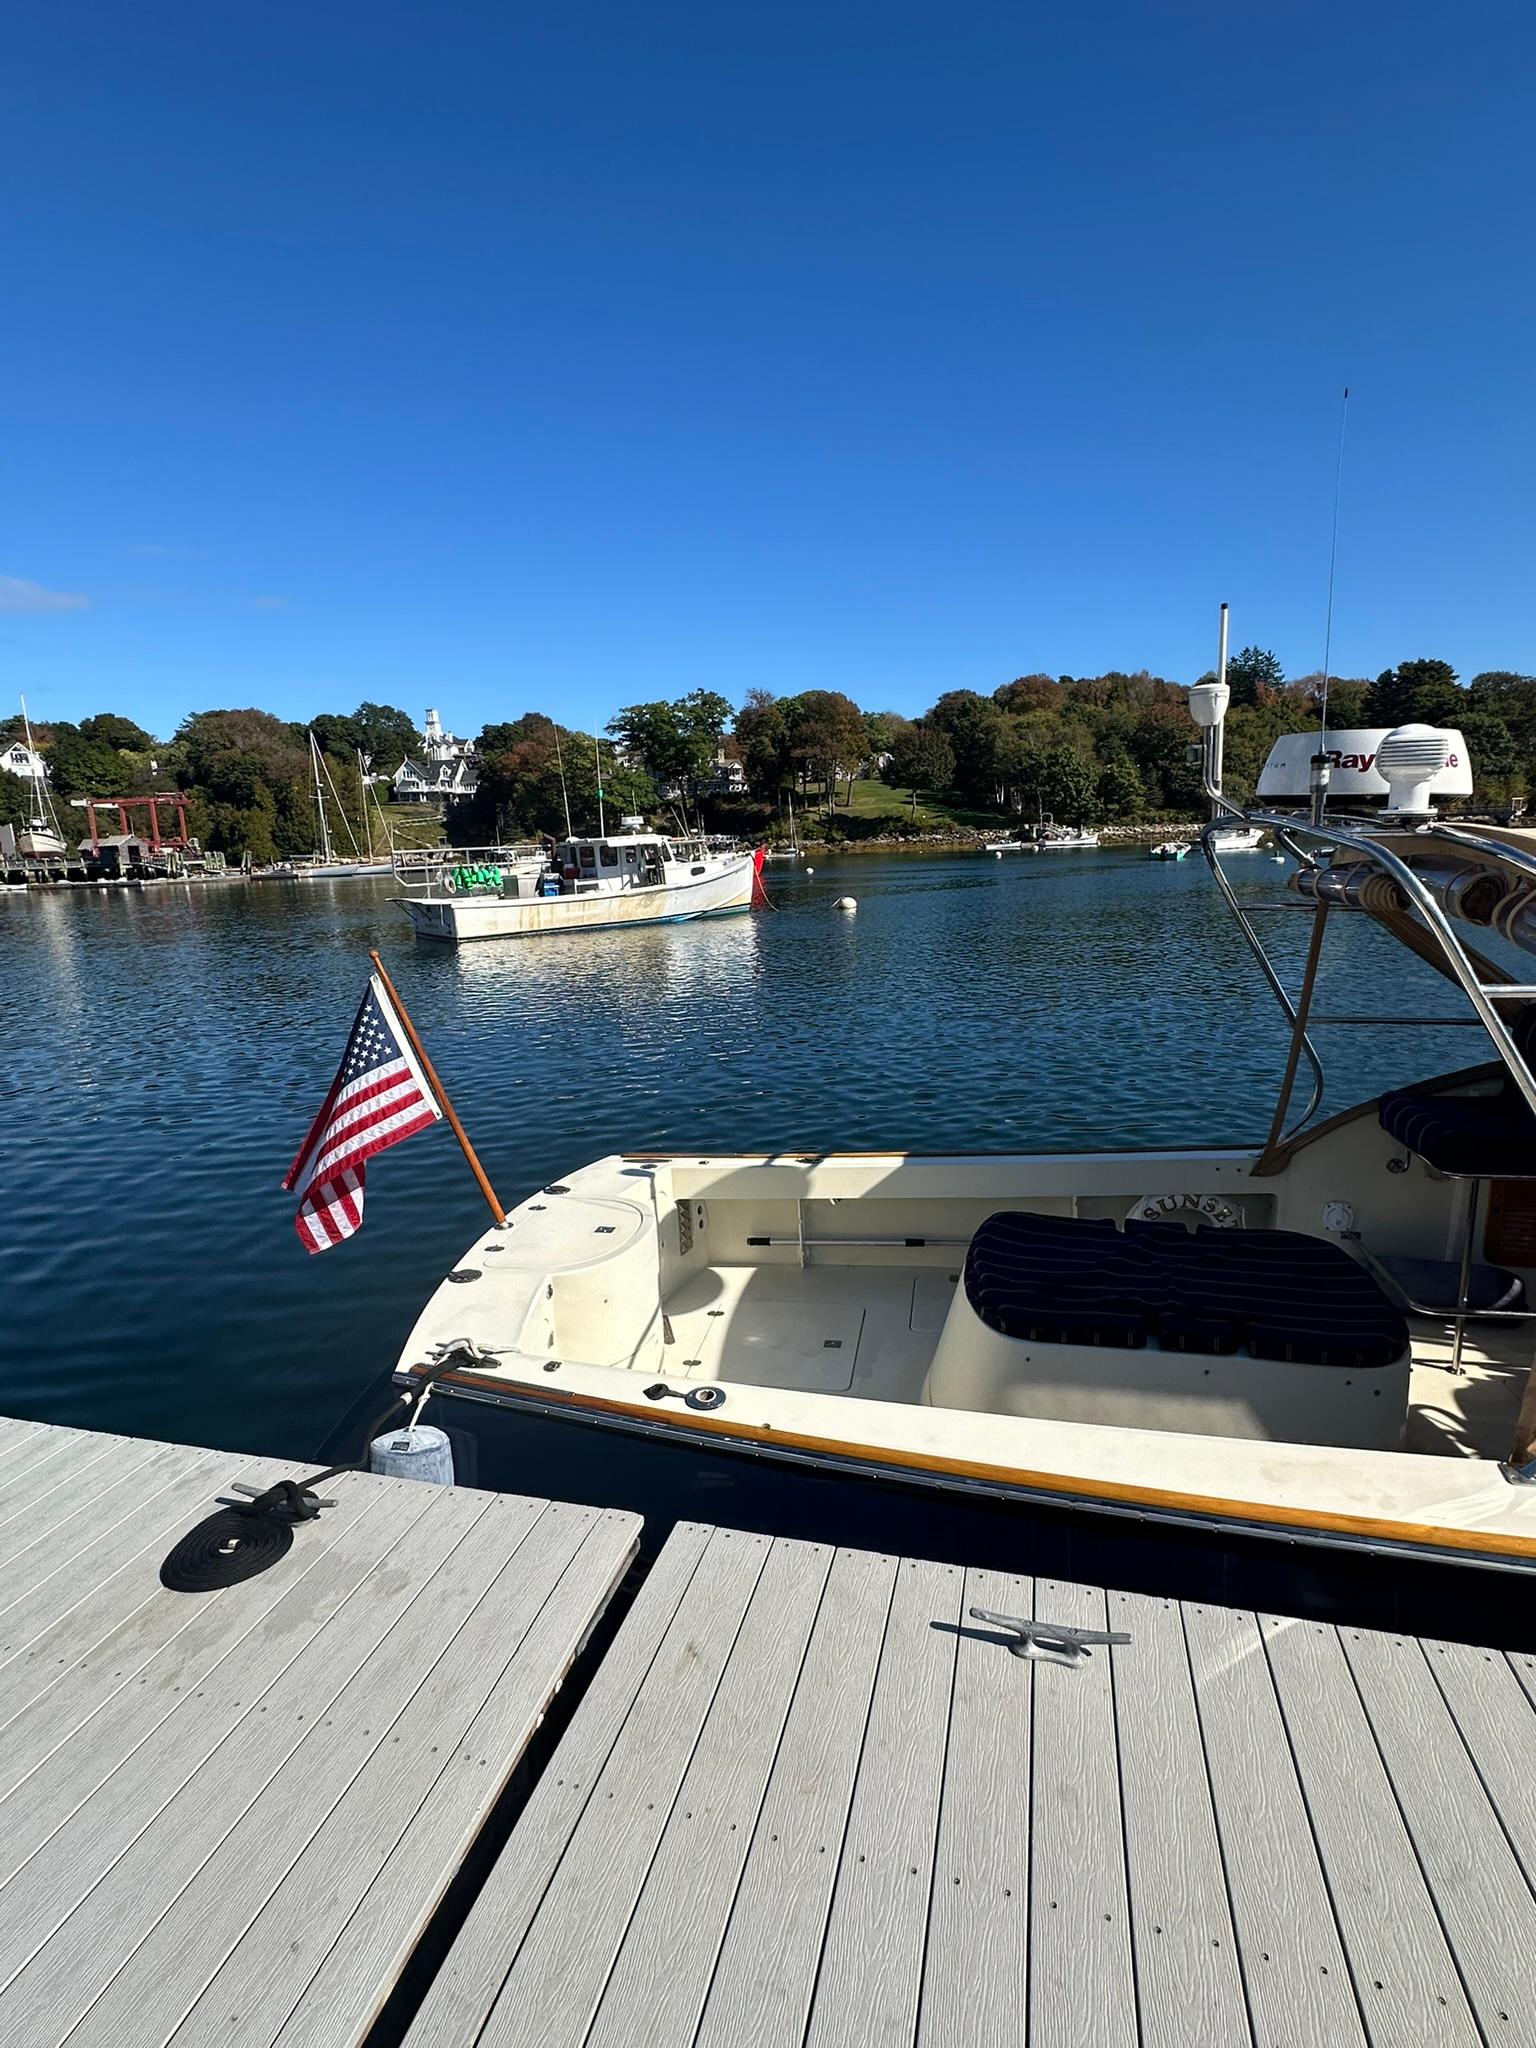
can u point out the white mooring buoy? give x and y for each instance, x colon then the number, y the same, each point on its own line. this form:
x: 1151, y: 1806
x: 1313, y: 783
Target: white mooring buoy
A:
x: 810, y: 871
x: 847, y: 903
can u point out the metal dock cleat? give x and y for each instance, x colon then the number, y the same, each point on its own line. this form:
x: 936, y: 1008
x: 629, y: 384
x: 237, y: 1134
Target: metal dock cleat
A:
x: 1049, y: 1642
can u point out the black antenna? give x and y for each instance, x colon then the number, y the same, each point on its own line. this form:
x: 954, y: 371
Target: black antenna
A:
x: 1333, y: 556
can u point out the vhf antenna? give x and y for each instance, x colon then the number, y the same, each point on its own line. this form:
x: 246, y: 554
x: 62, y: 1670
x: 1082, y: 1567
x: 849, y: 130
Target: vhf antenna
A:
x: 1321, y: 766
x: 1333, y: 554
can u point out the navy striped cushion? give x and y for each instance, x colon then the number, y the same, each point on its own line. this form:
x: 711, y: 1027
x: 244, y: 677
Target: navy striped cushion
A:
x: 1274, y: 1293
x: 1486, y: 1137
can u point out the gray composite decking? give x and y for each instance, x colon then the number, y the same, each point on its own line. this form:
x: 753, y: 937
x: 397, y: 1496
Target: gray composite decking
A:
x: 806, y: 1800
x: 228, y: 1816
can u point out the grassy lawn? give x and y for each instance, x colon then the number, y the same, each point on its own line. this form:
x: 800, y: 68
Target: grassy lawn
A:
x: 411, y: 825
x: 878, y: 807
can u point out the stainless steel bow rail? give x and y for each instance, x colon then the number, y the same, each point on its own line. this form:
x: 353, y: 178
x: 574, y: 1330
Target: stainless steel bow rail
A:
x: 1048, y: 1642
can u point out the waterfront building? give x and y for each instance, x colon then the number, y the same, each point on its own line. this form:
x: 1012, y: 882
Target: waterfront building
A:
x: 448, y: 767
x: 17, y: 758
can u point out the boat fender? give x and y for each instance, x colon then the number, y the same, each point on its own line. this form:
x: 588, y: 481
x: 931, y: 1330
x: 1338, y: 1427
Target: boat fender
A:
x: 424, y: 1453
x: 1215, y: 1210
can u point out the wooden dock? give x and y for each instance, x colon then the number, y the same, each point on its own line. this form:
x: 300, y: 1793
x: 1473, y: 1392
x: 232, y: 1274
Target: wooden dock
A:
x: 806, y: 1799
x: 228, y: 1816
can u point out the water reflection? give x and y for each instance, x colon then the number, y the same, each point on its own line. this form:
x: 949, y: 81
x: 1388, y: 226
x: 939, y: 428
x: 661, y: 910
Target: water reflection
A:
x: 166, y: 1050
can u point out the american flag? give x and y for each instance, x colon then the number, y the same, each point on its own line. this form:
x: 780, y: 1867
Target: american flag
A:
x: 378, y: 1097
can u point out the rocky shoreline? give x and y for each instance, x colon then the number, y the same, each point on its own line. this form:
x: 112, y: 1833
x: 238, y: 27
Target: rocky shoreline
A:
x: 968, y: 842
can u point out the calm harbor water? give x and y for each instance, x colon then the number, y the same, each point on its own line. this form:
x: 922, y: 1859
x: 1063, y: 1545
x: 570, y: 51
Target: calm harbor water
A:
x: 165, y: 1051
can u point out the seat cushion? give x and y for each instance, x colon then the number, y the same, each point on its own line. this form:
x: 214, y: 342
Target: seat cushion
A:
x: 1273, y: 1293
x: 1488, y: 1137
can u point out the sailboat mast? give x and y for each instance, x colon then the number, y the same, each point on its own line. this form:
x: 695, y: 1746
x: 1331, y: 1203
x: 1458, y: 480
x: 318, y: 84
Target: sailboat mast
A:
x: 602, y: 829
x: 565, y: 795
x: 45, y: 810
x: 325, y: 830
x: 362, y: 800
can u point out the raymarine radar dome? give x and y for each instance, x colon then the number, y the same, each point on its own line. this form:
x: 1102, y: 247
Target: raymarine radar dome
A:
x: 1357, y: 760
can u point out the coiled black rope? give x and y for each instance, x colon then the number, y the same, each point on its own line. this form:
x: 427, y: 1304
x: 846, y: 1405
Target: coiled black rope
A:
x: 242, y: 1538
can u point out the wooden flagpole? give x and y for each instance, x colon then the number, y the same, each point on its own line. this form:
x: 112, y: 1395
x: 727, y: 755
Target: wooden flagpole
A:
x: 438, y: 1090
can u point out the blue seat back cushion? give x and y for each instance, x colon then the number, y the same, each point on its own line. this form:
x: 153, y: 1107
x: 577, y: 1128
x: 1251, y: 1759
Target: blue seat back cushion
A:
x: 1482, y: 1137
x: 1275, y: 1293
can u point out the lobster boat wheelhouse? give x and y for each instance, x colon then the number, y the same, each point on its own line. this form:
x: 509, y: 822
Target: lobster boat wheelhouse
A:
x: 629, y: 877
x: 1323, y: 1337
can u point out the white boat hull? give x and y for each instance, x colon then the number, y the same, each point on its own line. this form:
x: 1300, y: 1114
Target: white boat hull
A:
x: 457, y: 919
x: 806, y: 1304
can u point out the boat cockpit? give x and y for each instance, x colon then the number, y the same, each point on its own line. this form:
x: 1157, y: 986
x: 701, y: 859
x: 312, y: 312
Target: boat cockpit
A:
x: 1329, y: 1330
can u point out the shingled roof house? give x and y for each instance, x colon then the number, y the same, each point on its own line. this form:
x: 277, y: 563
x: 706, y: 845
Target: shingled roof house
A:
x: 449, y: 768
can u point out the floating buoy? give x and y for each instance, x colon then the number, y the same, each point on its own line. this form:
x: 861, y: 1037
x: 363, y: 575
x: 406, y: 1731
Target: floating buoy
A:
x: 810, y: 871
x: 996, y: 855
x: 846, y: 903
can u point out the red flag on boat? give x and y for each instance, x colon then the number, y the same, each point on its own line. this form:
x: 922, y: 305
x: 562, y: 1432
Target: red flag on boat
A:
x: 378, y: 1097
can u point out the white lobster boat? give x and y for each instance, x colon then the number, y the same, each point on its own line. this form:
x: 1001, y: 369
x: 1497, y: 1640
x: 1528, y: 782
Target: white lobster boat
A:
x: 631, y: 877
x: 1320, y: 1338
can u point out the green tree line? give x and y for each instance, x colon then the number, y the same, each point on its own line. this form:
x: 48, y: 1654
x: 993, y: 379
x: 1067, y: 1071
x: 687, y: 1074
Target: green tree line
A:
x: 1084, y: 749
x: 246, y: 774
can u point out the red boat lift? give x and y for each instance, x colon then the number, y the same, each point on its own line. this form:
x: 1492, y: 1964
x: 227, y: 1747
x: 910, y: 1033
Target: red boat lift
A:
x: 158, y: 839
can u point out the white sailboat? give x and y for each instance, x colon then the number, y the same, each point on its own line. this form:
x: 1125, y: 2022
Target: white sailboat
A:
x: 790, y: 851
x: 327, y: 865
x: 39, y: 840
x: 1295, y: 1340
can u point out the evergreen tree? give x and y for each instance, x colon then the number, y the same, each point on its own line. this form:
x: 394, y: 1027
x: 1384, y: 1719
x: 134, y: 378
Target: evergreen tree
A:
x: 1253, y: 675
x: 1422, y: 692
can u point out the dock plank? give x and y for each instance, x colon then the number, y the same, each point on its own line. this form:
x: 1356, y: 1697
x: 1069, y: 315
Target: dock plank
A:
x: 1082, y: 1983
x: 1405, y: 1978
x: 553, y: 1987
x: 1189, y: 1987
x: 200, y: 1795
x: 90, y: 1895
x: 765, y: 1974
x: 1297, y: 1979
x: 656, y: 1991
x: 276, y: 1893
x: 470, y: 1979
x: 1480, y: 1892
x: 148, y: 1653
x: 377, y: 1939
x: 1494, y: 1717
x: 67, y: 1744
x: 976, y: 1971
x: 872, y: 1958
x: 69, y: 1464
x: 69, y: 1601
x: 94, y: 1498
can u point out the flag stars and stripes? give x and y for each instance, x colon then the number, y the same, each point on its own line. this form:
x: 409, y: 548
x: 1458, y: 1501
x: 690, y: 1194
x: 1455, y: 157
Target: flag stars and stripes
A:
x: 378, y: 1097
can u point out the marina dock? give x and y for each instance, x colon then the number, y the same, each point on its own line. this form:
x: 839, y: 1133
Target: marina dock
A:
x: 808, y: 1798
x: 229, y: 1816
x: 805, y: 1796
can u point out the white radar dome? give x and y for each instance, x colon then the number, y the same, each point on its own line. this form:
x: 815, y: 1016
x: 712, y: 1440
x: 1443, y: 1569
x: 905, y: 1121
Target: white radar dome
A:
x: 1356, y: 765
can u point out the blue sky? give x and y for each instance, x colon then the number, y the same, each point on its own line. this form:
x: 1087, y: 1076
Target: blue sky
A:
x: 503, y: 357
